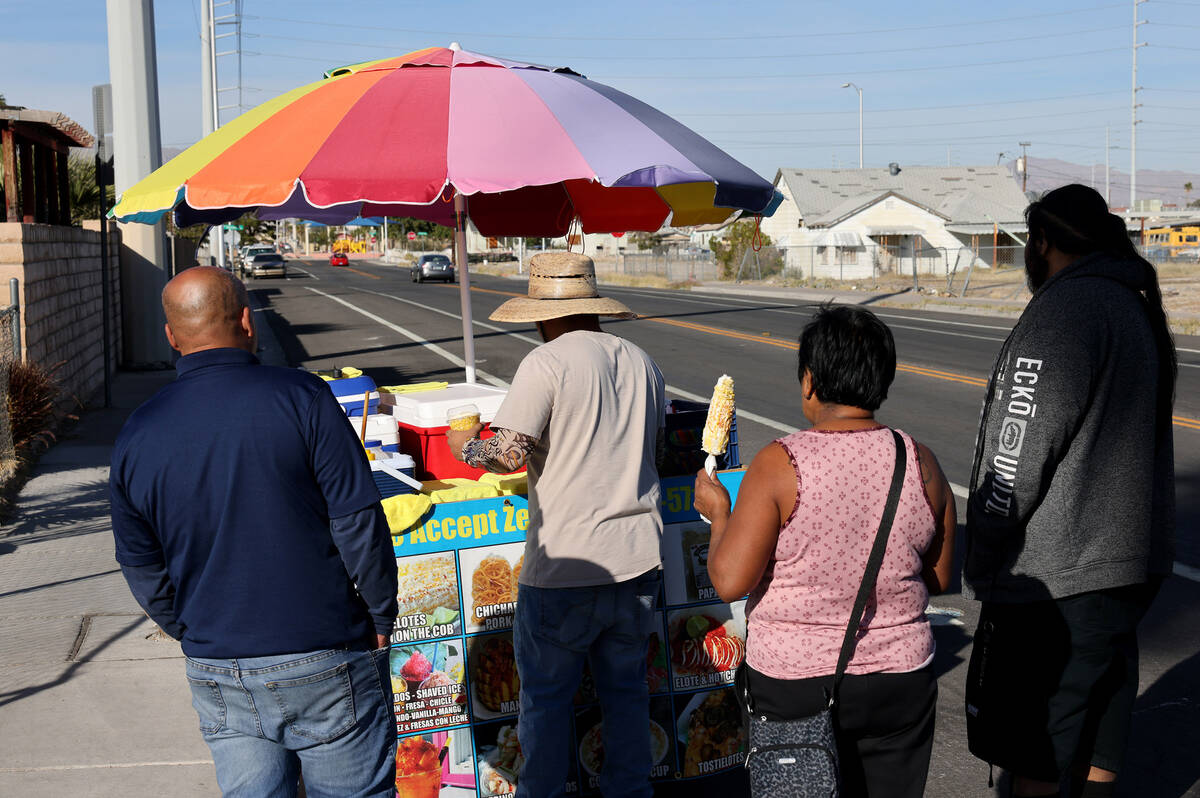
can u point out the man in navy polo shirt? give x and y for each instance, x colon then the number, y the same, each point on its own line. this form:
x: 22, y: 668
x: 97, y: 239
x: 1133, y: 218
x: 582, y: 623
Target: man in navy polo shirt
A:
x: 248, y: 527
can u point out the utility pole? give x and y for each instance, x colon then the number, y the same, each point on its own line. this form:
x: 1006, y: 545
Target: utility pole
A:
x: 1133, y: 106
x: 206, y: 67
x: 1024, y: 166
x: 858, y: 89
x: 1107, y: 198
x: 137, y: 151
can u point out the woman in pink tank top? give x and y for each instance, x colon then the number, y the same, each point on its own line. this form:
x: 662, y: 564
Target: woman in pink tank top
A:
x: 807, y: 514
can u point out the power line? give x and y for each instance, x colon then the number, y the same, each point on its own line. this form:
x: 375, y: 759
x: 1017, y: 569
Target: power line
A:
x: 788, y: 76
x: 709, y: 58
x: 941, y: 140
x: 917, y: 124
x: 541, y: 36
x: 1028, y: 101
x: 855, y: 72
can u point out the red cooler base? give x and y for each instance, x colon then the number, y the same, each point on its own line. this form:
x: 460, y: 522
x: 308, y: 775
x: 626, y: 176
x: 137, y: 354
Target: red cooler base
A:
x: 427, y: 447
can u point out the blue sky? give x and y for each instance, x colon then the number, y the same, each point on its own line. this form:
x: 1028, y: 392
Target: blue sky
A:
x: 962, y: 81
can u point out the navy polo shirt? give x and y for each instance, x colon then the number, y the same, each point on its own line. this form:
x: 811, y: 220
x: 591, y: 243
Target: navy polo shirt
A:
x: 229, y: 477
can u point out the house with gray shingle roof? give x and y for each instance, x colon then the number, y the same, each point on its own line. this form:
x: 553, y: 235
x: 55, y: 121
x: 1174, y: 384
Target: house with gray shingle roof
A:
x: 932, y: 218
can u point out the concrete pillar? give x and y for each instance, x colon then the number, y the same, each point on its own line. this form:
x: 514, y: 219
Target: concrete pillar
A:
x: 133, y: 71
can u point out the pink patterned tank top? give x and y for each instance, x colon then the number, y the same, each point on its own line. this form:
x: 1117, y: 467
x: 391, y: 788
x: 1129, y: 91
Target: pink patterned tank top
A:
x: 797, y: 614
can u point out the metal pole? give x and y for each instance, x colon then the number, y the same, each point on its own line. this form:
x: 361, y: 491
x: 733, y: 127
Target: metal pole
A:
x: 464, y: 283
x: 14, y: 299
x: 137, y: 151
x: 860, y: 129
x: 1133, y: 106
x: 1107, y: 198
x: 1025, y: 161
x: 104, y: 279
x: 206, y: 70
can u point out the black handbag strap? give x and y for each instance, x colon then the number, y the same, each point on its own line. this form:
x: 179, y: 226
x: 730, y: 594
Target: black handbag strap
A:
x: 742, y: 677
x: 873, y: 563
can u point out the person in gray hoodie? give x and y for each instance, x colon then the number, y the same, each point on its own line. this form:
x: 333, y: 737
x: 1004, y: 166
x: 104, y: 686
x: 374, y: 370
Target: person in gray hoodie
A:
x: 1070, y: 519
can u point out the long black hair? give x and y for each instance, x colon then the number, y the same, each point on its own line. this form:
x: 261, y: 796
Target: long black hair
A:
x: 1075, y: 220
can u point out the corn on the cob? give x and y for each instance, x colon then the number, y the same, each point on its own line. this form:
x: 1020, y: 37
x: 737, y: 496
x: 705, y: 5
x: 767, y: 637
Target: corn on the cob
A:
x: 426, y: 585
x: 720, y: 417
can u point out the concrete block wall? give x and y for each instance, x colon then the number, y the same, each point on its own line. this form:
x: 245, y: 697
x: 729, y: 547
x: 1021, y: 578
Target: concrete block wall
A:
x: 61, y: 303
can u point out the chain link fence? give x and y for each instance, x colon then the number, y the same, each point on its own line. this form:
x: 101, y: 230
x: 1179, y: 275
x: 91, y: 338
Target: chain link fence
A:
x: 673, y: 266
x: 10, y: 352
x: 953, y: 270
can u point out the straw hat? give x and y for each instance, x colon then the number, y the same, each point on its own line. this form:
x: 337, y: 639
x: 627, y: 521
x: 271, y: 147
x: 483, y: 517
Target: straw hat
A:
x: 560, y: 284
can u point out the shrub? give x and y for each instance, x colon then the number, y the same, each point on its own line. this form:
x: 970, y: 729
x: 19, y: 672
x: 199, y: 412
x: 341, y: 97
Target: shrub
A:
x: 33, y: 394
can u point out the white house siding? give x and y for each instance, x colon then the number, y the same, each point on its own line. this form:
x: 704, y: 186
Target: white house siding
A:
x: 783, y: 227
x: 936, y: 252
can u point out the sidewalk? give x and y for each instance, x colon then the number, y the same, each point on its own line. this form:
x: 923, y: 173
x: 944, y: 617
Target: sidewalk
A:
x: 91, y: 702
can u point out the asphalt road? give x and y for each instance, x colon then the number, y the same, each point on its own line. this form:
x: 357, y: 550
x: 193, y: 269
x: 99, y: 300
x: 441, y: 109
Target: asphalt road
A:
x: 371, y: 316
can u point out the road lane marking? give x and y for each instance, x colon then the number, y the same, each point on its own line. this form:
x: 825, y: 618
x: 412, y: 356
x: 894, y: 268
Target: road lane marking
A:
x: 430, y: 308
x: 763, y: 307
x: 977, y: 382
x: 306, y: 271
x: 412, y: 336
x: 770, y: 423
x: 364, y: 274
x: 787, y: 429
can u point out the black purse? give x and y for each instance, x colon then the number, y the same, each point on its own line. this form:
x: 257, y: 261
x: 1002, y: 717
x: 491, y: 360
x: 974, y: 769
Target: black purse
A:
x: 800, y: 757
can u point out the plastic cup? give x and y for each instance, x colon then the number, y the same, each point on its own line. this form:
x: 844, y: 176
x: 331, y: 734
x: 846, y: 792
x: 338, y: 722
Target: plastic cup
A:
x: 420, y: 785
x: 462, y: 417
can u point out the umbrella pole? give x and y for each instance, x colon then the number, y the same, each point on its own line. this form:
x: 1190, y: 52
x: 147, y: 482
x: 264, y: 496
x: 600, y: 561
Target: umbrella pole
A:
x: 464, y: 282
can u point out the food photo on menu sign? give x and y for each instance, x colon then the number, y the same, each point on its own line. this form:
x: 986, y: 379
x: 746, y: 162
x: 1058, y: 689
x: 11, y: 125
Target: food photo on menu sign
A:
x: 495, y: 686
x: 706, y: 644
x: 428, y: 598
x: 499, y: 759
x: 437, y: 764
x: 709, y: 731
x: 493, y: 572
x: 589, y: 731
x: 427, y: 686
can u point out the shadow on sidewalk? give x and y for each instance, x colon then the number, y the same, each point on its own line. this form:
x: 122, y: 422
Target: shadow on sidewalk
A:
x: 12, y: 696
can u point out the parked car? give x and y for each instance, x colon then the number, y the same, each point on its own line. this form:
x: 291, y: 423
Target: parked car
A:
x: 339, y: 259
x: 247, y: 253
x: 268, y: 264
x: 433, y: 267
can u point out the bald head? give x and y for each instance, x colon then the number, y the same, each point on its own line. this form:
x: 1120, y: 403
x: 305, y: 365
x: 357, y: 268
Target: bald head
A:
x: 207, y: 308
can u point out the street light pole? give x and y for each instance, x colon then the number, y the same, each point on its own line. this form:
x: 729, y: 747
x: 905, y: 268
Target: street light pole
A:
x: 858, y: 89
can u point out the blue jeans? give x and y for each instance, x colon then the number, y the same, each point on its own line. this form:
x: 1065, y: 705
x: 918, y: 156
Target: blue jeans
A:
x: 555, y: 631
x: 328, y: 712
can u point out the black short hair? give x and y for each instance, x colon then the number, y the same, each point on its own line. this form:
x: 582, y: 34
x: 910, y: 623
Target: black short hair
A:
x: 851, y: 356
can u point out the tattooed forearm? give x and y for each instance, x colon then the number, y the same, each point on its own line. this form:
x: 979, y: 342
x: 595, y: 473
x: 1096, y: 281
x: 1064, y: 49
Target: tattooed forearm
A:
x: 503, y: 453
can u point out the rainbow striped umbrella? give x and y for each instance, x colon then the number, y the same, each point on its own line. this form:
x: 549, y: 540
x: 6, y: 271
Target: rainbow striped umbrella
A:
x: 531, y: 148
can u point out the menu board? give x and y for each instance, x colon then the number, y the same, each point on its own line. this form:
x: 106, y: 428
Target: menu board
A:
x: 454, y: 676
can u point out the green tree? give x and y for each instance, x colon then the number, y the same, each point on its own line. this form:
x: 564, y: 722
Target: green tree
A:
x: 1187, y: 187
x: 646, y: 240
x: 85, y: 193
x: 730, y: 249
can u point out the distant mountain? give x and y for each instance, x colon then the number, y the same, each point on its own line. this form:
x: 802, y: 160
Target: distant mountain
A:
x: 1048, y: 173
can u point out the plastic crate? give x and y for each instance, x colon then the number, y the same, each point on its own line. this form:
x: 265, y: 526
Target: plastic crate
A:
x: 685, y: 433
x: 388, y: 485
